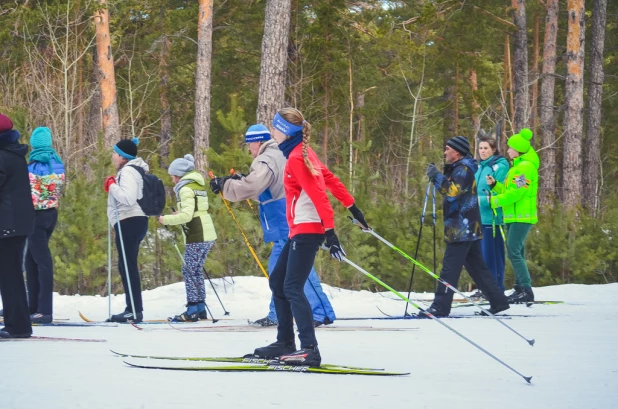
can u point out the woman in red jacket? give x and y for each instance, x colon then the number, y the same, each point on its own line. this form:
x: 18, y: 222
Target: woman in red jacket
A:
x: 311, y: 220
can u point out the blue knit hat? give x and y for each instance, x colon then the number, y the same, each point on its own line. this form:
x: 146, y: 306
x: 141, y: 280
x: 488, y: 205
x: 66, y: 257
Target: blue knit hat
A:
x: 41, y: 138
x: 257, y: 133
x: 181, y: 166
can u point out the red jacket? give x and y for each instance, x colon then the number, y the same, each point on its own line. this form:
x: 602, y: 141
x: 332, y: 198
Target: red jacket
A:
x: 308, y: 209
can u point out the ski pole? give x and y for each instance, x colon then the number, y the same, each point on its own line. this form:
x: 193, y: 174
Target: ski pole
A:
x: 109, y: 271
x: 441, y: 322
x: 233, y: 172
x: 443, y: 282
x: 207, y: 276
x: 418, y: 243
x: 183, y: 262
x: 124, y: 257
x: 434, y: 217
x: 229, y: 209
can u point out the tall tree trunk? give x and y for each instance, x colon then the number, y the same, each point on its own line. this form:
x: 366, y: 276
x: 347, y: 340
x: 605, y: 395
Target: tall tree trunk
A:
x: 166, y: 114
x: 592, y: 148
x: 450, y: 122
x: 547, y: 174
x: 326, y: 113
x: 574, y: 101
x: 274, y: 63
x: 476, y: 122
x: 535, y: 85
x: 95, y: 121
x: 201, y: 123
x: 105, y: 59
x: 520, y: 66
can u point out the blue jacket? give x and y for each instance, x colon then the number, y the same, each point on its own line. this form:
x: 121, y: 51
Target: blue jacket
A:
x: 462, y: 219
x: 498, y: 167
x: 46, y: 180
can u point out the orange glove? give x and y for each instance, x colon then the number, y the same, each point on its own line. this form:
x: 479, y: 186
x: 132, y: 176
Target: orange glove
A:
x: 110, y: 180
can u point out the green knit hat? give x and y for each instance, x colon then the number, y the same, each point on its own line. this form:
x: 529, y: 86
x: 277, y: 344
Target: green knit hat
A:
x: 521, y: 141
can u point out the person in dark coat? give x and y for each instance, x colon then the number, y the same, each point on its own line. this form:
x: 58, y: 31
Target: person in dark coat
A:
x: 16, y: 223
x: 462, y: 229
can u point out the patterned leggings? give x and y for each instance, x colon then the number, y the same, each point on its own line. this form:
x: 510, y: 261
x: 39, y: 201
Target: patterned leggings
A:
x: 195, y: 256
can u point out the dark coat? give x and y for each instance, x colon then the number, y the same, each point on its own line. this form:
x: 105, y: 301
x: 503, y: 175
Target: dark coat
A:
x: 462, y: 218
x: 16, y: 208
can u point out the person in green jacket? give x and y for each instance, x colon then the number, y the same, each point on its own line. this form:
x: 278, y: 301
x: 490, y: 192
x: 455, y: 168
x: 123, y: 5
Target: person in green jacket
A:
x: 199, y: 231
x: 495, y: 165
x: 517, y: 196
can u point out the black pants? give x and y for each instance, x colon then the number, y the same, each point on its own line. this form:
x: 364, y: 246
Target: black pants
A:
x: 39, y: 263
x: 466, y: 254
x: 133, y: 232
x: 12, y: 288
x: 287, y: 282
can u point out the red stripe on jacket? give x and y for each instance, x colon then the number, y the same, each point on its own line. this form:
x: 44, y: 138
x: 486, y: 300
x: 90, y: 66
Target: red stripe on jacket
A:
x: 308, y: 209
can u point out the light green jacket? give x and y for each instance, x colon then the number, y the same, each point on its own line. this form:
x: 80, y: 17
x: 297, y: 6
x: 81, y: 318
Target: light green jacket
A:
x: 192, y: 197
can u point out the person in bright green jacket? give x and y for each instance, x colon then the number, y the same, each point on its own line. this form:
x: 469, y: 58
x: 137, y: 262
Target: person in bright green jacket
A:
x: 517, y: 196
x: 199, y: 231
x: 492, y: 243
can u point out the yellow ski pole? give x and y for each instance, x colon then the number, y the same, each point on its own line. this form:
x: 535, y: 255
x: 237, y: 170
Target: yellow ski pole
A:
x: 229, y: 209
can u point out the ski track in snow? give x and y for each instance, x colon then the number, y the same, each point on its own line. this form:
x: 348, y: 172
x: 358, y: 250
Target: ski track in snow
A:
x: 574, y: 362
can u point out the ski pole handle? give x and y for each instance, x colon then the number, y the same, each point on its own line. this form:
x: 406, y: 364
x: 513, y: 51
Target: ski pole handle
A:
x: 356, y: 222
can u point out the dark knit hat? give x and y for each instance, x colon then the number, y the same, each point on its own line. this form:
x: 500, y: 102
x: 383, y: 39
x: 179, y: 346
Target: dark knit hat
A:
x: 5, y: 123
x: 127, y: 148
x: 460, y: 144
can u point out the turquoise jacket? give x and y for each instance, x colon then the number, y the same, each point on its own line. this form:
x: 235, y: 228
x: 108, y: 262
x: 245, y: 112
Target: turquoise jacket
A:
x: 498, y: 167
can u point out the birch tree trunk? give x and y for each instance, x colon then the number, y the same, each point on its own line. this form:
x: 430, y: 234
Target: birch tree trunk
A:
x: 520, y: 66
x: 574, y: 101
x: 201, y: 140
x: 274, y: 63
x: 107, y: 83
x: 592, y: 148
x: 165, y: 135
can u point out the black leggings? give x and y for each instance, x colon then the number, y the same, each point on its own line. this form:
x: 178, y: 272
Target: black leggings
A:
x: 134, y: 230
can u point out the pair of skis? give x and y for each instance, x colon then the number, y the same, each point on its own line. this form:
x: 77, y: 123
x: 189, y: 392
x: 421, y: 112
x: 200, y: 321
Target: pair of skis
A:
x: 252, y: 364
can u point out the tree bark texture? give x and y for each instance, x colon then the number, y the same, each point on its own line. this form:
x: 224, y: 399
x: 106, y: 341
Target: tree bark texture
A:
x: 535, y: 85
x: 105, y: 59
x: 476, y: 121
x: 165, y: 135
x: 274, y: 63
x: 95, y: 123
x: 574, y: 101
x: 450, y: 122
x: 592, y: 148
x: 547, y: 173
x: 520, y: 66
x: 201, y: 141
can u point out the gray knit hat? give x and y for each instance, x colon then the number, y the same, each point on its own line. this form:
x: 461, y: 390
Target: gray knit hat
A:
x: 181, y: 166
x: 460, y: 144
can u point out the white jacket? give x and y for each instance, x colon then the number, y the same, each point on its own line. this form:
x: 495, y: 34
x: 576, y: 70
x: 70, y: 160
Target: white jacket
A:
x: 127, y: 190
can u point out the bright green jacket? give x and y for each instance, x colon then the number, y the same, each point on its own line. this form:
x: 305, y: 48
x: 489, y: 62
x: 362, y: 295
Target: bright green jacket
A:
x: 192, y: 197
x: 517, y: 194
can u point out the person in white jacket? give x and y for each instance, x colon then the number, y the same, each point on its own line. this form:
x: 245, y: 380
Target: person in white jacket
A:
x: 125, y: 189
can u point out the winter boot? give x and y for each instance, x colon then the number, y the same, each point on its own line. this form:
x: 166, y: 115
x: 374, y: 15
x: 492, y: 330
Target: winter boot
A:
x: 41, y: 318
x: 518, y: 295
x: 264, y: 322
x: 201, y: 310
x: 529, y: 295
x: 127, y: 316
x: 432, y: 311
x: 275, y: 350
x: 5, y: 334
x: 309, y: 356
x: 496, y: 310
x: 477, y: 296
x: 191, y: 315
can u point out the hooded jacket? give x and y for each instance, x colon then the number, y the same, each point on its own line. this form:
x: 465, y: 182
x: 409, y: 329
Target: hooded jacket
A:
x: 127, y: 190
x: 497, y: 167
x: 16, y: 210
x: 517, y: 194
x: 192, y: 197
x: 462, y: 219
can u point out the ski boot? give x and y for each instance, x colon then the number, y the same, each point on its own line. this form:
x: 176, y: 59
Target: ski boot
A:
x: 275, y: 350
x: 477, y: 296
x: 191, y: 315
x: 432, y: 311
x: 41, y: 318
x: 309, y: 356
x: 201, y: 310
x: 126, y: 316
x: 264, y: 322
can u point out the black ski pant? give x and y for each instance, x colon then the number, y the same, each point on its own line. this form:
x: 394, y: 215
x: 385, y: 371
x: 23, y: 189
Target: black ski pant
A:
x: 133, y: 232
x: 12, y: 288
x: 39, y: 263
x: 466, y: 254
x: 287, y: 282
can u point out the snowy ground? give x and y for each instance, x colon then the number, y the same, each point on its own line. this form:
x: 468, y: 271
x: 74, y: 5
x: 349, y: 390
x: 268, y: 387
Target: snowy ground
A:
x: 574, y: 363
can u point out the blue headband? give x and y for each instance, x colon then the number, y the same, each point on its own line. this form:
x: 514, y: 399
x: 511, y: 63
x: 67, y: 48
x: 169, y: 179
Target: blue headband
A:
x: 285, y: 127
x: 123, y: 154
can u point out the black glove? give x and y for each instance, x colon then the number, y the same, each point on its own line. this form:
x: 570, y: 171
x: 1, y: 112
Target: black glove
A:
x: 216, y: 184
x: 332, y: 242
x: 237, y: 176
x: 358, y: 215
x: 432, y: 171
x: 493, y: 182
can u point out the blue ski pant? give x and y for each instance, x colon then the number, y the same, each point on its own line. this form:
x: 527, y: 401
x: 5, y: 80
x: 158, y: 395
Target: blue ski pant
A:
x: 493, y: 252
x: 320, y: 305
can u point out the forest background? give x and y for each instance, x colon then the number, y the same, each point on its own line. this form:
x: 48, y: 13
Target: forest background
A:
x: 383, y: 83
